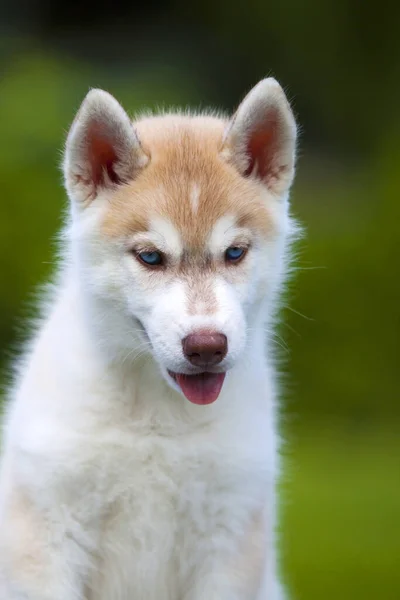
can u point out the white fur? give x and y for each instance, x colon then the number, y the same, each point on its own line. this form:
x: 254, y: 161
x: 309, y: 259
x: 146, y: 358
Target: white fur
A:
x: 113, y: 486
x: 222, y: 234
x: 168, y: 237
x: 195, y: 197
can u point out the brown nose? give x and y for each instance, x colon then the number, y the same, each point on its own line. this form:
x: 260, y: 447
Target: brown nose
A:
x: 205, y: 348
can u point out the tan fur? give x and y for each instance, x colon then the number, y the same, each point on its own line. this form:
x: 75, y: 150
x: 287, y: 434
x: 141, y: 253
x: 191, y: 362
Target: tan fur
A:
x: 185, y: 151
x: 24, y: 551
x: 201, y: 296
x: 248, y: 565
x: 186, y: 159
x: 245, y: 568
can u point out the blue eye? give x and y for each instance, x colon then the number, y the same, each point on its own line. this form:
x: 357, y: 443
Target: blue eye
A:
x: 151, y: 259
x: 234, y: 254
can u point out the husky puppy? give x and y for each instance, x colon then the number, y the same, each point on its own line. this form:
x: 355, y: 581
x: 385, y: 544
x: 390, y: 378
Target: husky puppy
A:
x: 140, y: 444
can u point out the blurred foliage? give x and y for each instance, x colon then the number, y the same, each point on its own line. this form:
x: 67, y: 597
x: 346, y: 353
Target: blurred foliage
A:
x: 345, y: 355
x: 340, y: 331
x: 341, y: 493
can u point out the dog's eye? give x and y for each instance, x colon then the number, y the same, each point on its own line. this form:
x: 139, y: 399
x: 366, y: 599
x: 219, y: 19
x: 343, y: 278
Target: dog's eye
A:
x: 234, y: 254
x: 151, y: 259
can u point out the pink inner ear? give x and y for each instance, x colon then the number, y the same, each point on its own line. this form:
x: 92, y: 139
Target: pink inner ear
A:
x: 261, y: 148
x: 101, y: 154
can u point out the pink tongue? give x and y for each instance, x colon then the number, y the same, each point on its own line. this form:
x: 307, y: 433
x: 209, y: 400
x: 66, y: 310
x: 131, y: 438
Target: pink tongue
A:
x: 203, y: 388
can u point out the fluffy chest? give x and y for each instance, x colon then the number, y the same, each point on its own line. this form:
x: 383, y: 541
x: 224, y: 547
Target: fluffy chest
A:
x: 168, y: 503
x: 151, y: 508
x: 185, y: 475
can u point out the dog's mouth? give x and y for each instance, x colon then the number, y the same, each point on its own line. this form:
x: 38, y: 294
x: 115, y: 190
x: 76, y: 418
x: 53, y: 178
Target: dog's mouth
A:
x: 202, y: 388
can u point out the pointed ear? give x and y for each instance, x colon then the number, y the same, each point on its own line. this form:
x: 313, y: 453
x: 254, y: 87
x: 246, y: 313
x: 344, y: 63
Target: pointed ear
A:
x: 102, y: 149
x: 261, y: 138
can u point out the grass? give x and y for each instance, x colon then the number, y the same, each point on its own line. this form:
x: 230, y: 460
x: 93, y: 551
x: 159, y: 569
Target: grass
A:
x: 340, y: 516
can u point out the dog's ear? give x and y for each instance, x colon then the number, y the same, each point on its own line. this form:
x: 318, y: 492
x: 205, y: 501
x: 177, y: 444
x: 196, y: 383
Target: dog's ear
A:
x: 261, y: 137
x: 102, y: 149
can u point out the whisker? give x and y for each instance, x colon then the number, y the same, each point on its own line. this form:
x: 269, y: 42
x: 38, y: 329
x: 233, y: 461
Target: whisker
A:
x: 308, y: 268
x: 291, y: 328
x: 139, y: 350
x: 298, y: 313
x: 284, y: 348
x: 274, y: 336
x: 278, y: 337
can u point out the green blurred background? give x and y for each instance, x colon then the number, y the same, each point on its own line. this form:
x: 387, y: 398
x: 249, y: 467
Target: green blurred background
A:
x: 339, y: 61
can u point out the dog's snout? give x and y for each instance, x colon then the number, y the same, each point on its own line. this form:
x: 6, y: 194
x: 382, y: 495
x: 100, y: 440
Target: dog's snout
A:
x: 205, y: 348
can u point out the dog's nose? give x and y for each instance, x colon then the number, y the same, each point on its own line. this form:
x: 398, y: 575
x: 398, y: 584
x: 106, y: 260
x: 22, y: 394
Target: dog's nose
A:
x: 205, y: 348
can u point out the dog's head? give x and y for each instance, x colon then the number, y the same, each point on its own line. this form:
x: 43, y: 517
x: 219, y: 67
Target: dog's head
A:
x: 179, y: 227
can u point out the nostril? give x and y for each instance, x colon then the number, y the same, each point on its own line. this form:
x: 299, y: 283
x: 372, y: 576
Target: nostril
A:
x: 205, y: 348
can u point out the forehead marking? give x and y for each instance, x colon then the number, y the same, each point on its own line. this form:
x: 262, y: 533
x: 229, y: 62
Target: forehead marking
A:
x: 170, y: 237
x: 221, y: 233
x: 195, y: 197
